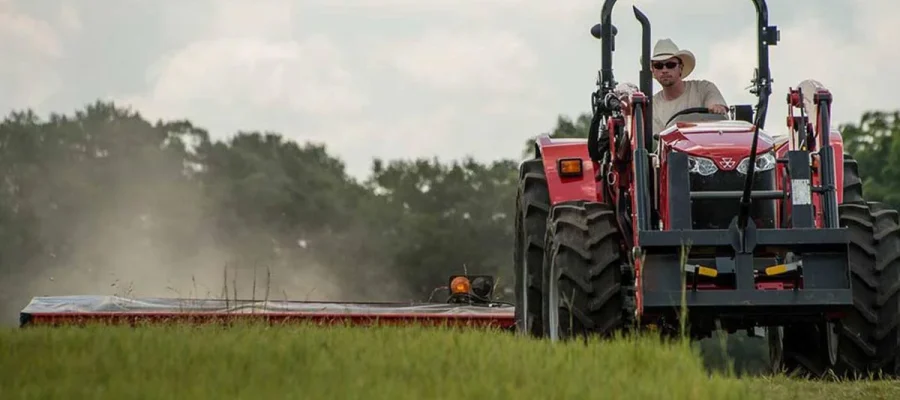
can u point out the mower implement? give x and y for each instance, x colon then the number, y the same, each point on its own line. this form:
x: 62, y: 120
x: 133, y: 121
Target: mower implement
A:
x: 712, y: 223
x: 468, y: 305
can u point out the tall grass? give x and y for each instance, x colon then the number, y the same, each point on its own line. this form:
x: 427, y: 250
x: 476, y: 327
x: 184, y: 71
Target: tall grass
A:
x: 256, y: 361
x: 314, y: 362
x: 304, y: 361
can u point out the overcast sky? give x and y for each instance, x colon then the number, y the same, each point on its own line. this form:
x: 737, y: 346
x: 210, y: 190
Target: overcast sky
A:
x: 408, y: 78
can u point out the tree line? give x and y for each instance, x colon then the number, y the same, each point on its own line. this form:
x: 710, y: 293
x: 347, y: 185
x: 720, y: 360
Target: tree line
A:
x: 104, y: 201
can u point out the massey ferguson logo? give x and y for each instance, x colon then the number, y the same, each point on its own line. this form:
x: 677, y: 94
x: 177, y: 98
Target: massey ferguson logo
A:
x: 727, y: 162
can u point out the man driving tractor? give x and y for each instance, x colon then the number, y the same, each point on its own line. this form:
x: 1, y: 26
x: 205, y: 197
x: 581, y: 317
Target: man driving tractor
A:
x: 670, y: 65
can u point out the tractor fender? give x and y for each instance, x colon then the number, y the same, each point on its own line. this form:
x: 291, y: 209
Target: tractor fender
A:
x: 563, y: 186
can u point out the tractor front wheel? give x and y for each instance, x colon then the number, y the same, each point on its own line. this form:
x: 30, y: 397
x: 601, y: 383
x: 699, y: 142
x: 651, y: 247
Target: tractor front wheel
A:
x: 586, y: 288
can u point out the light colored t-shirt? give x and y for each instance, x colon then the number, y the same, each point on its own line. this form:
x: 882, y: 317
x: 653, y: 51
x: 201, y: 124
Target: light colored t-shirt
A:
x: 697, y: 93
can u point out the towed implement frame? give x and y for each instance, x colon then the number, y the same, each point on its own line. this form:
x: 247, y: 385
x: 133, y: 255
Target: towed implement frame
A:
x: 469, y: 304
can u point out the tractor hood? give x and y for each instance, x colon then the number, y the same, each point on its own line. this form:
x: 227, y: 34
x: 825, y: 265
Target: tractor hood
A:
x: 715, y: 140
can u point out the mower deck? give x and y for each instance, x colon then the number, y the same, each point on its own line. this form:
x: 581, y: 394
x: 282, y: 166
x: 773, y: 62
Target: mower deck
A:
x: 60, y: 310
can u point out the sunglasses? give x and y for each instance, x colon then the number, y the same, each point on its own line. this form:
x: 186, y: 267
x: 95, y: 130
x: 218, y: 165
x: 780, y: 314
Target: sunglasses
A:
x: 669, y: 65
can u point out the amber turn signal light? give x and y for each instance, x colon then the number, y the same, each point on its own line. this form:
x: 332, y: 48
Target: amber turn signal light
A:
x: 570, y: 167
x: 479, y: 286
x: 460, y: 285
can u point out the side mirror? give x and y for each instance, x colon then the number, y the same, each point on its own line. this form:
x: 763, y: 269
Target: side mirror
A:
x: 597, y: 30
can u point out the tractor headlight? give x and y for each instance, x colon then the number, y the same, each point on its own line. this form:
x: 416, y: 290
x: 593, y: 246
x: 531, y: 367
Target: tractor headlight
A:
x: 702, y: 166
x: 764, y: 162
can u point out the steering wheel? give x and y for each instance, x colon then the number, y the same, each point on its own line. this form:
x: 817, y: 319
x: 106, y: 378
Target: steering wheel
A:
x: 692, y: 110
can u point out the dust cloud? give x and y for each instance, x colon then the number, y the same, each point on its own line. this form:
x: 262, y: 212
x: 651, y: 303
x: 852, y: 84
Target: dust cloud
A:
x: 146, y: 234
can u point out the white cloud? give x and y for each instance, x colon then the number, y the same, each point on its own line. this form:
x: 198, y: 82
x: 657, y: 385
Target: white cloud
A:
x: 467, y: 8
x: 257, y: 18
x: 230, y: 74
x: 69, y: 18
x: 248, y: 60
x: 534, y: 10
x: 30, y: 49
x: 425, y: 134
x: 405, y: 78
x: 851, y: 62
x: 447, y: 132
x: 482, y: 61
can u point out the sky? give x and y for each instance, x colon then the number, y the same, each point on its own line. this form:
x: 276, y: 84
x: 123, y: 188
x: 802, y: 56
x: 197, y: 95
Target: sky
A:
x: 416, y: 78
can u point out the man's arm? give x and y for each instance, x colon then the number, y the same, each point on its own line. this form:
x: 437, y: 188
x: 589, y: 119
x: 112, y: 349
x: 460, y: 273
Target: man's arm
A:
x: 713, y: 98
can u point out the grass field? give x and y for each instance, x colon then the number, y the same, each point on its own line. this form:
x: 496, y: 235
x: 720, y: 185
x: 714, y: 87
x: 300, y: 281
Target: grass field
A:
x: 305, y: 362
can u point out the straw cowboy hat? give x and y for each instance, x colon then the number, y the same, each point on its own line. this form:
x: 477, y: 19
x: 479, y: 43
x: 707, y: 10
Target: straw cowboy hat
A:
x: 666, y: 48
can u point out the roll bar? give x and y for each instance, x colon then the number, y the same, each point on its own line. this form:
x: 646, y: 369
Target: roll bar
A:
x: 762, y: 81
x: 605, y: 103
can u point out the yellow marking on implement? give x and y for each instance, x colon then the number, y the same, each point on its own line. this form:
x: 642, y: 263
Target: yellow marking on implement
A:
x: 776, y: 269
x: 706, y: 271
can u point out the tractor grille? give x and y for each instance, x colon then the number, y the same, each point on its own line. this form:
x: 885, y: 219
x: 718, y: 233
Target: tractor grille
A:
x: 718, y: 213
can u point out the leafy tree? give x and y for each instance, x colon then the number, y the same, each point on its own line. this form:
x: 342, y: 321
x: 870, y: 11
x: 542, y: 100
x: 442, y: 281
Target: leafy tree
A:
x: 874, y: 143
x: 450, y: 218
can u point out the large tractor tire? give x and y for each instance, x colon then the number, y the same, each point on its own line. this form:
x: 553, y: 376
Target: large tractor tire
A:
x: 870, y: 335
x: 867, y: 340
x: 532, y: 208
x: 586, y: 275
x: 853, y: 187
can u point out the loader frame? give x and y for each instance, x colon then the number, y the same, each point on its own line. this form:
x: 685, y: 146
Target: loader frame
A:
x: 820, y: 282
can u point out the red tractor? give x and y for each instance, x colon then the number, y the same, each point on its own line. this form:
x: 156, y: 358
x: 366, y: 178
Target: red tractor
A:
x: 712, y: 216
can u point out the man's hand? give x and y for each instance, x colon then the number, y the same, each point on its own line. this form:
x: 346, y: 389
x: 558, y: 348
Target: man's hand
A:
x: 718, y: 109
x: 626, y: 104
x: 623, y: 91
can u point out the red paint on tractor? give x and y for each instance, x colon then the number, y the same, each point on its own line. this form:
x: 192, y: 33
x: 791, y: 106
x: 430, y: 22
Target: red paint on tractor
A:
x: 568, y: 188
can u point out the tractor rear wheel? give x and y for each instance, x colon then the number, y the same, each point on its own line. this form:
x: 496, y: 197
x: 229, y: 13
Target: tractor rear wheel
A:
x: 870, y: 334
x: 853, y: 189
x: 532, y: 207
x: 585, y: 273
